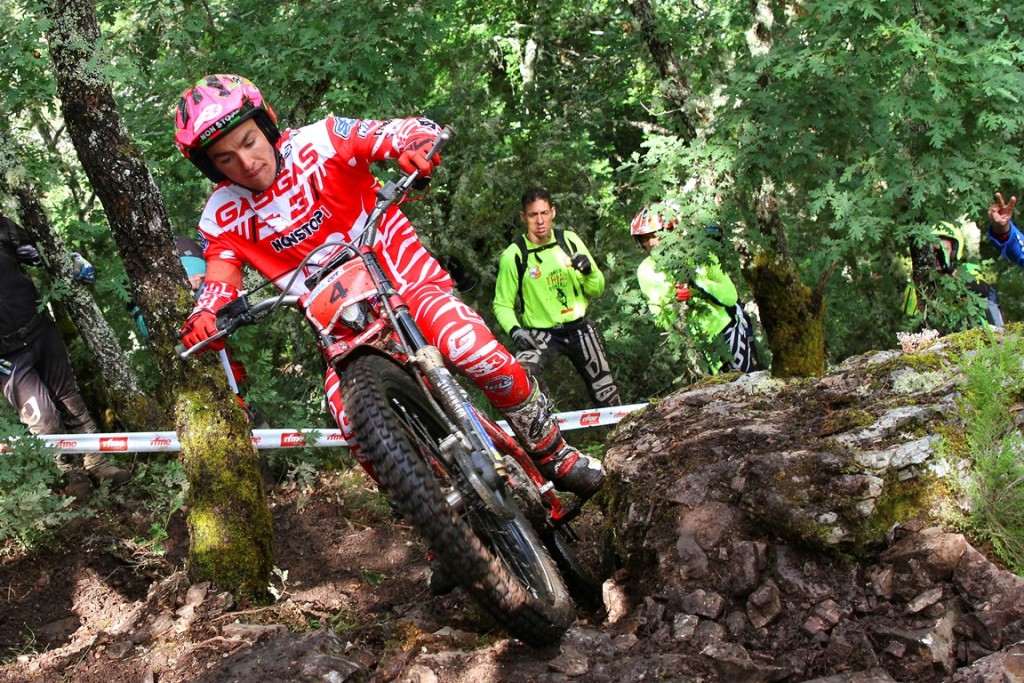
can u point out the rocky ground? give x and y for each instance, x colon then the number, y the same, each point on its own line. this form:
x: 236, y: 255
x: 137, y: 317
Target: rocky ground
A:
x: 752, y: 530
x: 353, y: 599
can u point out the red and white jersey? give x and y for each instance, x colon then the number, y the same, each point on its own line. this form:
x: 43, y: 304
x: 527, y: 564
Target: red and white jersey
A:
x: 323, y: 193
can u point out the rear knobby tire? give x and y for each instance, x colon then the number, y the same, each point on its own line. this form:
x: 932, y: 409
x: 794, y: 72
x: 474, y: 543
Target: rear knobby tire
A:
x: 502, y: 564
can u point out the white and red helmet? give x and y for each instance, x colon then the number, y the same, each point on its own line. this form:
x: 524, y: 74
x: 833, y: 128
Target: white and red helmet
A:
x: 215, y: 105
x: 648, y: 221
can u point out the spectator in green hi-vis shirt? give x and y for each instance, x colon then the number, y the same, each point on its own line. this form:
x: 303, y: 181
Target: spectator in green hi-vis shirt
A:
x: 947, y: 251
x: 714, y: 316
x: 545, y: 278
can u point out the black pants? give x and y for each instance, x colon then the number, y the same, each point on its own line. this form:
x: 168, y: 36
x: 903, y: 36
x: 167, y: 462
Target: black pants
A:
x: 581, y: 343
x: 41, y: 384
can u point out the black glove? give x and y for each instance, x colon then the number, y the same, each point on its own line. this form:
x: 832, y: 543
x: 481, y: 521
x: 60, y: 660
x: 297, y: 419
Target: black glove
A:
x: 581, y: 263
x: 980, y: 287
x: 523, y: 339
x: 29, y: 255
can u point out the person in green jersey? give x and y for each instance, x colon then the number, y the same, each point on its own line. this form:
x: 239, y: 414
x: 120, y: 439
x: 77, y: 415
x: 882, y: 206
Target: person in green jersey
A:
x: 714, y: 316
x: 948, y: 251
x: 545, y: 278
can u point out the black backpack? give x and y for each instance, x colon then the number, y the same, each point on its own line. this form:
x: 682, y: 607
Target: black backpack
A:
x: 738, y: 335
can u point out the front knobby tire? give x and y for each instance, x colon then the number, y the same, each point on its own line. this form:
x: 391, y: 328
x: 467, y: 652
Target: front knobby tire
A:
x: 501, y: 563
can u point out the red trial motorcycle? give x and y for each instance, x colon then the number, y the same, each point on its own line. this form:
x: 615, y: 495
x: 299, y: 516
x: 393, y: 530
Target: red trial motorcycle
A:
x: 468, y: 488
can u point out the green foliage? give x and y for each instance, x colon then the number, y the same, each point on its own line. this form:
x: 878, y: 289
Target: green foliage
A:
x: 162, y: 486
x: 866, y: 123
x: 30, y: 509
x: 994, y: 381
x: 866, y: 127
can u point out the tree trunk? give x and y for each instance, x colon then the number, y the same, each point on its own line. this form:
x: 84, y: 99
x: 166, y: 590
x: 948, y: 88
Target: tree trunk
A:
x: 676, y: 90
x: 793, y: 316
x: 229, y: 521
x: 120, y: 386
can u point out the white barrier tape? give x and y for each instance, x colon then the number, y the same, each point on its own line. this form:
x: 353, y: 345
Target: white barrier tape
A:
x: 596, y: 417
x: 150, y: 442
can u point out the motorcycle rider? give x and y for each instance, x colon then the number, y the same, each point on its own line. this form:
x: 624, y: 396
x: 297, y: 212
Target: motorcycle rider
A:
x: 279, y: 194
x: 948, y: 250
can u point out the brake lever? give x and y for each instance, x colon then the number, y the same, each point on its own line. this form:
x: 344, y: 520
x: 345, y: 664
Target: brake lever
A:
x: 231, y: 316
x: 185, y: 351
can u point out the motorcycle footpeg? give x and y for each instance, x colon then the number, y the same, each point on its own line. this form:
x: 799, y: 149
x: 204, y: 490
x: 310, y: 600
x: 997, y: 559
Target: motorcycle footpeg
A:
x: 570, y: 511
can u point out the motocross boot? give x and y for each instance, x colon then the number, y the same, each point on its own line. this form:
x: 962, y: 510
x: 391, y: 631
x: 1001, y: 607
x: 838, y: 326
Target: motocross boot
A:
x: 77, y: 485
x: 538, y: 432
x: 100, y: 469
x: 76, y: 482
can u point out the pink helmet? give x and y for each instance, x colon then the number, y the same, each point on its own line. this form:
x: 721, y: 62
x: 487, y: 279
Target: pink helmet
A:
x: 215, y: 105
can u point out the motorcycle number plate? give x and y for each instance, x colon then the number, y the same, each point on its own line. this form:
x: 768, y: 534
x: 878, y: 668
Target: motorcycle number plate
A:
x: 344, y: 286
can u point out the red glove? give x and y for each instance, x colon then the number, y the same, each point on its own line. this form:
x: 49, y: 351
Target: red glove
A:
x: 414, y: 157
x: 682, y: 292
x: 201, y: 325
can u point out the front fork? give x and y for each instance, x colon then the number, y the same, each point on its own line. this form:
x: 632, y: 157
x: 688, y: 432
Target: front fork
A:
x: 487, y: 460
x: 469, y: 449
x: 484, y: 440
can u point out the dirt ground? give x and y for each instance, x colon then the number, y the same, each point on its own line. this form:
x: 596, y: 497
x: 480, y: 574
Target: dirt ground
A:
x: 102, y: 607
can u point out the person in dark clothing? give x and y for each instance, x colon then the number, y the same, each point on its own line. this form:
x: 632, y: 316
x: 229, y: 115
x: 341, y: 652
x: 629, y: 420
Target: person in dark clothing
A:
x: 35, y: 373
x: 546, y: 279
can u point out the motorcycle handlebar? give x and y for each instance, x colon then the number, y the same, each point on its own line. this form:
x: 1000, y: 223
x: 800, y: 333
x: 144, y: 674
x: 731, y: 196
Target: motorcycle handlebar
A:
x: 236, y: 314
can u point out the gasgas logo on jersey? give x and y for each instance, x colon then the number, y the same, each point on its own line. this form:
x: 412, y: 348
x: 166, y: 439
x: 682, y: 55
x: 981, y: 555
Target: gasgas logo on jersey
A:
x: 238, y: 208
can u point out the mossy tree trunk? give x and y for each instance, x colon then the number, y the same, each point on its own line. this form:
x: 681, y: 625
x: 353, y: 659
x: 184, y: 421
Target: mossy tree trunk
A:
x: 792, y: 313
x: 793, y: 316
x: 229, y: 521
